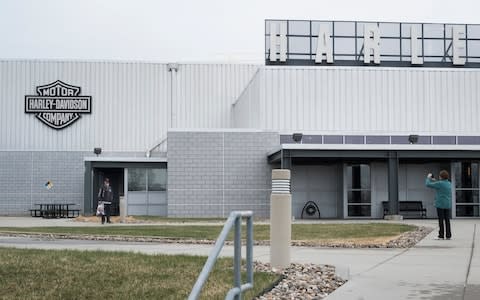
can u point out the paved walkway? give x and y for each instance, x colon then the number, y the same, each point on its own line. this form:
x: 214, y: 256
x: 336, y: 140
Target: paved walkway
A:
x: 433, y: 269
x: 430, y: 270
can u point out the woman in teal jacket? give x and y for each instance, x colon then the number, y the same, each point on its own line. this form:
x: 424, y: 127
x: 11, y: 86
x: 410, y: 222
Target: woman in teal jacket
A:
x: 443, y: 201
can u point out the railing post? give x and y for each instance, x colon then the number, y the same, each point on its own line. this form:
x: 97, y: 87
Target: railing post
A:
x: 235, y: 219
x: 250, y: 249
x: 238, y: 257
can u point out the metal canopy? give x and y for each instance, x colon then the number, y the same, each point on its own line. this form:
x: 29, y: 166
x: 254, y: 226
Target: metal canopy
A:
x: 287, y: 154
x: 392, y: 157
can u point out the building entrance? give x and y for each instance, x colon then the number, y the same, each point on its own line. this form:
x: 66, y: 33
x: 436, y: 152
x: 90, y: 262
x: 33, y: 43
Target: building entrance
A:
x: 359, y: 197
x: 466, y: 177
x: 116, y: 177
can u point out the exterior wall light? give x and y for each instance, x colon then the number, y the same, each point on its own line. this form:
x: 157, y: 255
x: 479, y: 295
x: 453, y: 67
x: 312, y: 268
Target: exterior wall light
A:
x: 97, y: 151
x: 297, y: 137
x: 172, y: 67
x: 413, y: 138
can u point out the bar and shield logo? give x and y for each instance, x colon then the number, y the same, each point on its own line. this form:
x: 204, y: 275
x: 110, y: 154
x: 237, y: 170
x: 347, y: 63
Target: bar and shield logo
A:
x: 58, y: 104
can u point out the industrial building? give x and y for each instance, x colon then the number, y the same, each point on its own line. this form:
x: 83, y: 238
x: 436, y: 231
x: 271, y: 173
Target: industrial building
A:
x: 359, y: 112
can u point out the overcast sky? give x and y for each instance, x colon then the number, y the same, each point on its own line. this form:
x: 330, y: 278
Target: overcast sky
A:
x: 187, y: 30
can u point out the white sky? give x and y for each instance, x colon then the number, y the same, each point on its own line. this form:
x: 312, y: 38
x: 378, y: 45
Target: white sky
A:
x: 187, y: 30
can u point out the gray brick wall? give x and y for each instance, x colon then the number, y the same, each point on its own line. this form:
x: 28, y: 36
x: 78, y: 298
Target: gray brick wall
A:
x: 213, y: 173
x: 209, y: 175
x: 23, y: 176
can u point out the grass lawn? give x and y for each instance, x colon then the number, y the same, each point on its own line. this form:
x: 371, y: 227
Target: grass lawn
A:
x: 303, y: 232
x: 67, y: 274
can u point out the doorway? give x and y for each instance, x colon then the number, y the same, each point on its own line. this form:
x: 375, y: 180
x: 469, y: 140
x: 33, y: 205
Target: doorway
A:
x: 358, y: 190
x: 467, y: 188
x: 116, y: 177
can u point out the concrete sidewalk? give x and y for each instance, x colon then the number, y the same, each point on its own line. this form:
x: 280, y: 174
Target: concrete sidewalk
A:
x: 430, y: 270
x: 433, y: 269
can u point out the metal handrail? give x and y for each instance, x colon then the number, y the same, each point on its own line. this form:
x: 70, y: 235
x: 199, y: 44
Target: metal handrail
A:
x: 235, y: 219
x: 157, y: 144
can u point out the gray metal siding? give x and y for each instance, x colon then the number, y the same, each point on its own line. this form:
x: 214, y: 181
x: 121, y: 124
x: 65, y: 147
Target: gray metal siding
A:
x: 147, y: 203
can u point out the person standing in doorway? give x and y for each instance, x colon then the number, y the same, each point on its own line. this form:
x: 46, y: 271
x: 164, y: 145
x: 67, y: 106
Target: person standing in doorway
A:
x: 443, y: 202
x: 105, y: 194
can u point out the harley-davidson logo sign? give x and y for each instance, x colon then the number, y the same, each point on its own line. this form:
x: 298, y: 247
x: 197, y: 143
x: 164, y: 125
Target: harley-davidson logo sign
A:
x: 58, y: 104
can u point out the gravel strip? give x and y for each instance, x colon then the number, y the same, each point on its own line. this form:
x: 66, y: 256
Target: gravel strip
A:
x: 302, y: 281
x: 405, y: 240
x: 410, y: 239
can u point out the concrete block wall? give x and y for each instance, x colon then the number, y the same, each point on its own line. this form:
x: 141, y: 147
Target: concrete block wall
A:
x: 211, y: 173
x: 23, y: 176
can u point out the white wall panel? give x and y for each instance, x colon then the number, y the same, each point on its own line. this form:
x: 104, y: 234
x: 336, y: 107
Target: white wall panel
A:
x: 128, y: 105
x: 246, y: 110
x: 371, y: 100
x: 133, y: 103
x: 203, y: 94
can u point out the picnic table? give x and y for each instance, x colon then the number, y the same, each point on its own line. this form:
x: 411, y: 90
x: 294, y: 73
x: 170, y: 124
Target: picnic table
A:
x: 55, y: 210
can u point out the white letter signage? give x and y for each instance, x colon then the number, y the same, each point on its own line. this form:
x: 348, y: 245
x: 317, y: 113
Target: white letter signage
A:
x: 458, y: 45
x: 414, y: 47
x: 278, y: 41
x: 324, y: 46
x: 371, y: 43
x: 361, y: 44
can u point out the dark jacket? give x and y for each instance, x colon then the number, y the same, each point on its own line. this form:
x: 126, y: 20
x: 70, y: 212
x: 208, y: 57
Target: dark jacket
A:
x: 105, y: 193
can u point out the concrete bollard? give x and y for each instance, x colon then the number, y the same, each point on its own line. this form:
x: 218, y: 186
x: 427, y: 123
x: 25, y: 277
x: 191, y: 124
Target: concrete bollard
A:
x: 393, y: 217
x: 280, y: 219
x: 123, y: 209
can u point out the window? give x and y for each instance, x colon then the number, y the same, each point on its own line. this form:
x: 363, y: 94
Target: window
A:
x: 142, y: 179
x: 467, y: 189
x: 157, y: 179
x: 137, y: 179
x: 359, y: 190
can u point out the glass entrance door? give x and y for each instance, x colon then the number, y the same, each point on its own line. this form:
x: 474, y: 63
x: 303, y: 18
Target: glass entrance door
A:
x: 466, y: 189
x: 359, y: 202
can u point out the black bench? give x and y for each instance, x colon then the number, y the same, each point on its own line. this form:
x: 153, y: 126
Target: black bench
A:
x: 407, y: 207
x: 36, y: 212
x: 55, y: 210
x: 72, y: 213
